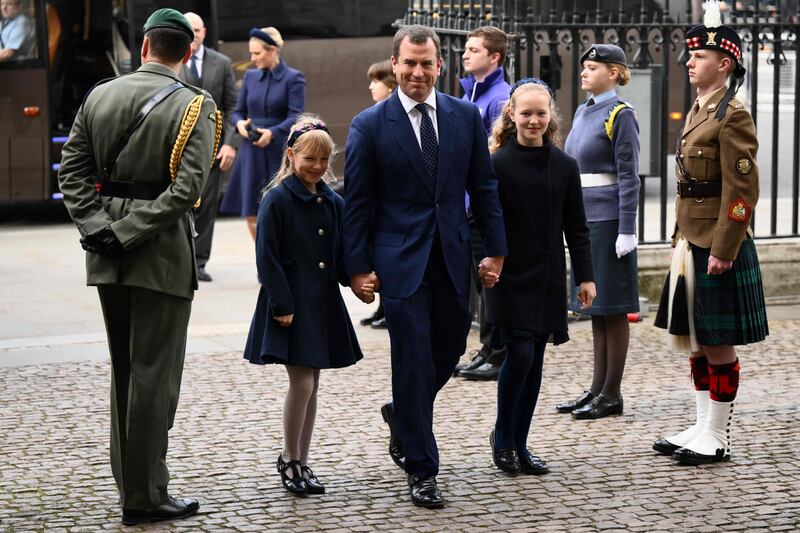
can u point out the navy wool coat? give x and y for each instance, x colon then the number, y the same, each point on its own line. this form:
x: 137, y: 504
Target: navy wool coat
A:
x: 298, y: 248
x: 541, y: 209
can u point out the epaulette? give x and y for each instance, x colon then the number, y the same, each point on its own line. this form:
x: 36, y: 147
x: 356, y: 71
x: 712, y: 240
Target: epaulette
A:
x: 612, y: 115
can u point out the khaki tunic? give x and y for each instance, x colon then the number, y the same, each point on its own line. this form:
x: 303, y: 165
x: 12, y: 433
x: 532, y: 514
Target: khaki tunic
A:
x: 725, y: 151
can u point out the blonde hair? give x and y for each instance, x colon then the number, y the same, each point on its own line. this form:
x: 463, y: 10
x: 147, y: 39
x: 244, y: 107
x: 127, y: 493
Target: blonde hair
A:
x: 315, y: 141
x: 623, y: 72
x: 504, y: 129
x: 272, y: 32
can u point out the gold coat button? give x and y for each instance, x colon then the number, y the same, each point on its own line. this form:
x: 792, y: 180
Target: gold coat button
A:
x: 321, y: 264
x: 321, y: 232
x: 319, y: 199
x: 683, y: 142
x: 681, y: 156
x: 699, y: 152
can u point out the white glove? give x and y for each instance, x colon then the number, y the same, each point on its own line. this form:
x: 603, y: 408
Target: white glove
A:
x: 626, y: 243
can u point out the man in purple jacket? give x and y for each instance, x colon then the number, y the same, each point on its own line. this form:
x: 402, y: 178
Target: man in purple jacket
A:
x: 486, y: 87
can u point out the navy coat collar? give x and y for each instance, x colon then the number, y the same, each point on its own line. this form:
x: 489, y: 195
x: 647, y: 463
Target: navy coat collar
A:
x: 404, y: 134
x: 299, y: 190
x: 277, y: 72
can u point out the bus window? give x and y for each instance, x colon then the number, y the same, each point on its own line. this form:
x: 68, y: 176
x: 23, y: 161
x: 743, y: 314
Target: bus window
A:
x: 17, y: 31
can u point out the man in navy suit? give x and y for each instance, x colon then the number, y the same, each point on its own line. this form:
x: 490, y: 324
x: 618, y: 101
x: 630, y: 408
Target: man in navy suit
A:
x: 409, y: 161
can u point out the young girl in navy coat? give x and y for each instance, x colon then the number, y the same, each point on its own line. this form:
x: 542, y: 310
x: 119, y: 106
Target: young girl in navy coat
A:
x: 300, y: 319
x: 540, y: 191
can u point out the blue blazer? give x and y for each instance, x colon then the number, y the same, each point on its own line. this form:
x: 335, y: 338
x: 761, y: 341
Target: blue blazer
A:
x: 392, y: 211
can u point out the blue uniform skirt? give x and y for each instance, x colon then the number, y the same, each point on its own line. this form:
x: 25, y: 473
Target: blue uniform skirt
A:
x: 617, y: 279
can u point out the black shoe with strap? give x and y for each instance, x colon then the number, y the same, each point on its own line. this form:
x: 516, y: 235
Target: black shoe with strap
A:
x: 313, y: 485
x: 294, y: 484
x: 425, y: 492
x: 173, y: 509
x: 580, y: 401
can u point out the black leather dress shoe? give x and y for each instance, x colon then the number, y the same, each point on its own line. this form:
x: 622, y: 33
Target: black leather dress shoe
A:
x: 202, y: 275
x: 580, y: 401
x: 532, y: 464
x: 313, y: 485
x: 505, y: 459
x: 477, y: 360
x: 174, y: 509
x: 665, y: 447
x: 377, y: 315
x: 395, y: 450
x: 599, y: 407
x: 425, y: 492
x: 686, y: 456
x: 292, y: 477
x: 379, y: 324
x: 485, y: 372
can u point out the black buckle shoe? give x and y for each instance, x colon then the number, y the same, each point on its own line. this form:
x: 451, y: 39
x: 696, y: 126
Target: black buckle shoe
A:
x: 532, y: 464
x: 505, y: 459
x: 395, y: 450
x: 486, y: 372
x: 174, y: 509
x: 313, y: 485
x: 295, y: 484
x: 600, y: 407
x: 665, y: 447
x: 425, y: 492
x: 580, y: 401
x: 477, y: 360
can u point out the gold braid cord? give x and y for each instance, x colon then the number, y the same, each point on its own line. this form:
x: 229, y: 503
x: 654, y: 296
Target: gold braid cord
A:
x: 217, y: 135
x: 190, y: 116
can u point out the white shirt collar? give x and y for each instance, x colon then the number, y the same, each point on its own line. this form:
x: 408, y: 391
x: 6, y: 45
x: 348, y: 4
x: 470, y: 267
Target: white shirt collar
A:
x: 200, y: 53
x: 409, y: 103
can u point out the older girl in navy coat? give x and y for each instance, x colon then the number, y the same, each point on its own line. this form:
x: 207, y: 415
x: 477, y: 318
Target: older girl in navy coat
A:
x: 300, y: 319
x: 540, y: 191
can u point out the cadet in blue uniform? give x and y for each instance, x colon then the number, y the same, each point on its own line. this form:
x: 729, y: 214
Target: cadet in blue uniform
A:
x: 300, y: 319
x: 272, y: 96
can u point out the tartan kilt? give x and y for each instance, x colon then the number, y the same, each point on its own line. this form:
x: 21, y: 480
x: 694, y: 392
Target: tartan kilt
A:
x: 729, y: 309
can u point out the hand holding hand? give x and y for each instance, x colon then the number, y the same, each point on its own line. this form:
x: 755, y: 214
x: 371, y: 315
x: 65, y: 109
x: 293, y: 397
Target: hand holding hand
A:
x: 266, y: 137
x: 718, y: 266
x: 364, y: 286
x: 103, y: 242
x: 626, y: 243
x: 226, y: 155
x: 285, y: 320
x: 241, y: 127
x: 586, y: 294
x: 489, y: 270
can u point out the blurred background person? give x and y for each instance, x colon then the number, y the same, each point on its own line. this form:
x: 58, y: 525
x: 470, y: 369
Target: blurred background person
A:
x: 271, y: 98
x: 15, y: 31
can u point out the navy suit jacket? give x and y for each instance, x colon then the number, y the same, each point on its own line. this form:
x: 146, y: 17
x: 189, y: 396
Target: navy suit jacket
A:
x: 392, y: 211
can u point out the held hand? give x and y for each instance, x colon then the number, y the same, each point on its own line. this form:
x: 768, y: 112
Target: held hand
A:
x: 364, y: 286
x: 226, y: 155
x: 586, y: 294
x: 266, y: 137
x: 626, y: 243
x: 489, y: 270
x: 241, y: 127
x: 285, y: 320
x: 103, y: 242
x: 718, y: 266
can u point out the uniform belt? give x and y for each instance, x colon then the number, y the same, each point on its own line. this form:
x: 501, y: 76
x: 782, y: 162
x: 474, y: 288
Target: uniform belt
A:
x: 599, y: 180
x: 699, y: 189
x: 129, y: 189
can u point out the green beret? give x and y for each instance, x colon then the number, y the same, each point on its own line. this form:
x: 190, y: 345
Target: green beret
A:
x: 169, y: 18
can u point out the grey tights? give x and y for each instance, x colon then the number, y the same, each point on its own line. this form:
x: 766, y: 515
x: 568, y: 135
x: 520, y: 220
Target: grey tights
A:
x: 299, y: 412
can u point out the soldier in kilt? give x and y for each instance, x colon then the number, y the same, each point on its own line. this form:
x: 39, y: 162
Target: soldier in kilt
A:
x: 713, y: 298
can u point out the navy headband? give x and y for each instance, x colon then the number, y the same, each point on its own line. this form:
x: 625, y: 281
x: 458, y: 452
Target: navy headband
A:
x: 535, y: 81
x: 264, y: 36
x: 304, y: 129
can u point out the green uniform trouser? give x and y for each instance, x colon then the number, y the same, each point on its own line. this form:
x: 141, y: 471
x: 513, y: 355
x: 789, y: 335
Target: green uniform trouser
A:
x: 147, y: 340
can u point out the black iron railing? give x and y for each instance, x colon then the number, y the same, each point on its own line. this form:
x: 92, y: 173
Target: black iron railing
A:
x: 546, y: 40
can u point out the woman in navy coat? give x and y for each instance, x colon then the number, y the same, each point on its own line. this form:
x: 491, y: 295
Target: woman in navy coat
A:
x: 271, y: 97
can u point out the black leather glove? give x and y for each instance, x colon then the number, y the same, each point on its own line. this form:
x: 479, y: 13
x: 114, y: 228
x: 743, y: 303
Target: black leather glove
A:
x: 103, y: 242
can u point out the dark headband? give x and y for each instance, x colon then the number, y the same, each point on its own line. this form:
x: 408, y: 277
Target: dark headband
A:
x: 264, y: 36
x: 535, y: 81
x: 304, y: 129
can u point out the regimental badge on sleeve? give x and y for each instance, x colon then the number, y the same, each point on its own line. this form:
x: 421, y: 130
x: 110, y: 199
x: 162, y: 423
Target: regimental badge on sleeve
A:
x: 739, y: 210
x: 744, y: 165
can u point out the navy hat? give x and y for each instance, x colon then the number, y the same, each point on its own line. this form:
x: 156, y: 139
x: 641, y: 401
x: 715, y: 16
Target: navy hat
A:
x: 169, y: 18
x: 604, y: 53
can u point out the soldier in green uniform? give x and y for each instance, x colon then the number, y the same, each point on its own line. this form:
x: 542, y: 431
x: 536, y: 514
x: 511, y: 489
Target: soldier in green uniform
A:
x: 133, y: 167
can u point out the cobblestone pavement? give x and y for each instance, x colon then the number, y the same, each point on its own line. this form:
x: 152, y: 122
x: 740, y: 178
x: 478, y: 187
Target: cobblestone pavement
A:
x: 55, y: 476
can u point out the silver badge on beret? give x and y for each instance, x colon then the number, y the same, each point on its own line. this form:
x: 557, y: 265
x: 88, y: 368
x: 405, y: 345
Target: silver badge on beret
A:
x: 593, y: 53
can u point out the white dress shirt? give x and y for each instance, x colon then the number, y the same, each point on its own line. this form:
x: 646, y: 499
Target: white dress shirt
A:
x: 199, y: 61
x: 414, y: 115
